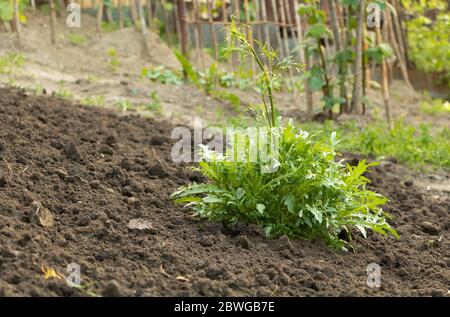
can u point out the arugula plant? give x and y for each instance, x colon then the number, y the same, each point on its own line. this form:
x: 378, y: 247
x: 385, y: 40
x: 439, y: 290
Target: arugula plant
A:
x: 309, y: 194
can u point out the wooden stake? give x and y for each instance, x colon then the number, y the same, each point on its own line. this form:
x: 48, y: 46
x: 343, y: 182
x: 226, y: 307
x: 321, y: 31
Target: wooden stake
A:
x: 249, y: 34
x: 304, y: 59
x: 99, y: 16
x: 277, y: 23
x: 52, y: 21
x: 399, y: 55
x: 166, y: 23
x: 399, y: 31
x: 198, y: 34
x: 150, y: 14
x: 120, y: 9
x: 357, y: 85
x: 183, y: 28
x: 258, y: 20
x: 17, y: 21
x: 366, y: 68
x: 143, y: 28
x: 384, y: 81
x: 284, y: 28
x: 264, y: 20
x: 213, y: 31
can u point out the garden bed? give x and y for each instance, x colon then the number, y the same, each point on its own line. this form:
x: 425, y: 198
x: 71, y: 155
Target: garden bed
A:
x: 96, y: 174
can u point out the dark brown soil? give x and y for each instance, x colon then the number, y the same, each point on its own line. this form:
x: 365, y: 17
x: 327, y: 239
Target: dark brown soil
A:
x: 95, y: 171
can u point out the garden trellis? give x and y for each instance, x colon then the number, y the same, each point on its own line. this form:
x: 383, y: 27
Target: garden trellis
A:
x: 196, y: 26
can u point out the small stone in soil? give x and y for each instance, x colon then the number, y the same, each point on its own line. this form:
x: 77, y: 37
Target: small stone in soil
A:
x: 105, y: 149
x: 430, y: 228
x: 244, y: 242
x: 71, y: 152
x: 112, y: 289
x: 141, y: 225
x: 94, y: 184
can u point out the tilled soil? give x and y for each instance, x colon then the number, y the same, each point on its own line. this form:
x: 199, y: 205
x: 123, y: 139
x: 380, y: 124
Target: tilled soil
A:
x: 87, y: 186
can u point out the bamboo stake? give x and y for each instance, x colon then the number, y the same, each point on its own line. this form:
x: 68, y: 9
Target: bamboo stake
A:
x: 17, y: 21
x: 264, y: 20
x: 401, y: 61
x: 166, y: 23
x: 277, y: 23
x: 198, y: 35
x: 384, y: 81
x: 366, y: 68
x: 258, y: 18
x: 143, y: 28
x: 400, y: 33
x: 52, y: 21
x: 304, y: 59
x: 213, y: 31
x: 99, y: 16
x: 357, y: 86
x: 338, y: 40
x: 225, y: 21
x: 183, y: 27
x: 284, y: 28
x: 237, y: 17
x: 149, y: 14
x: 249, y: 33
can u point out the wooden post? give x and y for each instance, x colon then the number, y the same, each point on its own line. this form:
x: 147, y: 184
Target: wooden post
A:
x: 17, y: 21
x: 183, y: 28
x: 213, y: 31
x: 52, y: 21
x: 149, y: 14
x: 357, y: 86
x: 384, y: 81
x: 99, y: 16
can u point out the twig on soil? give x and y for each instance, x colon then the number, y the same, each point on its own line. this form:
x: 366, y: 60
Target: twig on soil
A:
x: 164, y: 272
x: 7, y: 164
x: 178, y: 278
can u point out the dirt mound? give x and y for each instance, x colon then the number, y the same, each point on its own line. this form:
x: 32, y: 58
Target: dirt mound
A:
x: 86, y: 186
